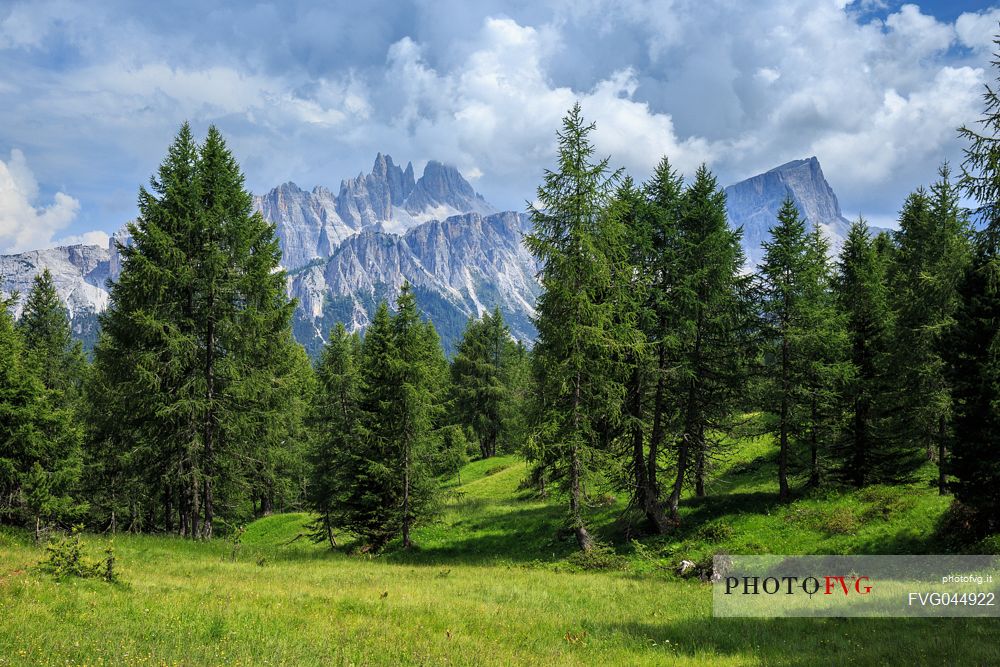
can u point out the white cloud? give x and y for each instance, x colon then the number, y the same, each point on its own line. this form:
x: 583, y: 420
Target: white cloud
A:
x: 911, y: 128
x: 768, y: 74
x: 497, y: 112
x: 741, y: 85
x: 87, y: 238
x: 23, y: 226
x: 976, y: 30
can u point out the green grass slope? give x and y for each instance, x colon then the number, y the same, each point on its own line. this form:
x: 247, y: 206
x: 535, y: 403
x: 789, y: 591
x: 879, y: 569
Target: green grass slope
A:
x: 493, y: 582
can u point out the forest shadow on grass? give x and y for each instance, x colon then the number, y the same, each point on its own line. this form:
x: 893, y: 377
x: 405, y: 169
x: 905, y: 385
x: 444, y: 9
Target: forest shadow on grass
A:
x: 519, y: 536
x: 823, y: 641
x: 696, y: 511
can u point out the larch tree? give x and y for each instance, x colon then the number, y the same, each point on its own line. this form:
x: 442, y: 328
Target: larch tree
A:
x: 932, y: 253
x: 867, y: 453
x: 974, y: 342
x: 784, y: 283
x: 824, y: 344
x: 479, y: 374
x: 579, y: 243
x: 715, y: 328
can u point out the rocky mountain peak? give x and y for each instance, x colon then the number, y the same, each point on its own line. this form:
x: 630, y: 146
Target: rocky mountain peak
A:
x: 753, y: 204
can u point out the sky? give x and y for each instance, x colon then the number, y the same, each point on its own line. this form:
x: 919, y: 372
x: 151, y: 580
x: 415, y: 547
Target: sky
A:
x: 91, y: 94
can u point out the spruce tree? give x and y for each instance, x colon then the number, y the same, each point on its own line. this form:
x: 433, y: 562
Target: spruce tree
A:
x: 715, y: 330
x: 334, y: 423
x: 478, y: 374
x: 54, y: 357
x: 932, y: 253
x: 377, y: 476
x: 784, y: 284
x: 40, y: 456
x: 649, y: 216
x: 417, y: 366
x: 196, y: 365
x: 868, y: 454
x: 972, y: 344
x: 579, y: 243
x: 824, y: 346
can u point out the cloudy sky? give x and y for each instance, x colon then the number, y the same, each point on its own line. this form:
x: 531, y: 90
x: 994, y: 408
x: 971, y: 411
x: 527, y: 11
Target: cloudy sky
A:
x: 92, y: 93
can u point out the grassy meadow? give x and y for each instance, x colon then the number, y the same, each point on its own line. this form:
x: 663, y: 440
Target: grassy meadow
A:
x: 493, y: 582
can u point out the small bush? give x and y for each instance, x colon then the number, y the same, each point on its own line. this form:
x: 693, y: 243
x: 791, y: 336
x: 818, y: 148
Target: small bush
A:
x: 716, y: 531
x: 885, y: 502
x: 841, y: 521
x: 751, y: 548
x: 236, y: 542
x: 988, y: 546
x: 600, y: 557
x: 64, y: 558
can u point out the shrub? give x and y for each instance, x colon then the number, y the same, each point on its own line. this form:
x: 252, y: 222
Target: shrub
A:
x: 841, y: 521
x: 716, y: 531
x: 64, y: 558
x: 885, y: 502
x: 600, y: 557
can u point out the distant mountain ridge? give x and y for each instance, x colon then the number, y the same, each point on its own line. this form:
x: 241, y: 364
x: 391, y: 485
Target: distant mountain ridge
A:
x: 310, y: 225
x: 346, y: 252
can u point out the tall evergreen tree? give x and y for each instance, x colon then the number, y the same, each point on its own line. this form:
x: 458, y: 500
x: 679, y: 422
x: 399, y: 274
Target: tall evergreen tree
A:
x: 804, y: 343
x: 784, y: 285
x: 579, y: 243
x: 973, y: 345
x: 824, y: 346
x: 932, y: 253
x: 196, y: 359
x: 867, y: 453
x: 53, y: 356
x: 334, y: 424
x: 714, y: 325
x: 479, y: 375
x: 650, y: 216
x: 418, y: 364
x: 40, y: 462
x: 385, y: 486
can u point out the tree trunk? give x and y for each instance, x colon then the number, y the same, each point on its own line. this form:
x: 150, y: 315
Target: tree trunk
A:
x: 637, y: 432
x: 653, y: 507
x: 209, y: 509
x: 329, y: 533
x: 195, y: 510
x: 860, y: 444
x: 675, y: 494
x: 942, y: 475
x: 699, y: 467
x: 168, y: 510
x: 783, y: 423
x: 814, y: 445
x: 691, y: 425
x: 406, y: 498
x: 583, y: 538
